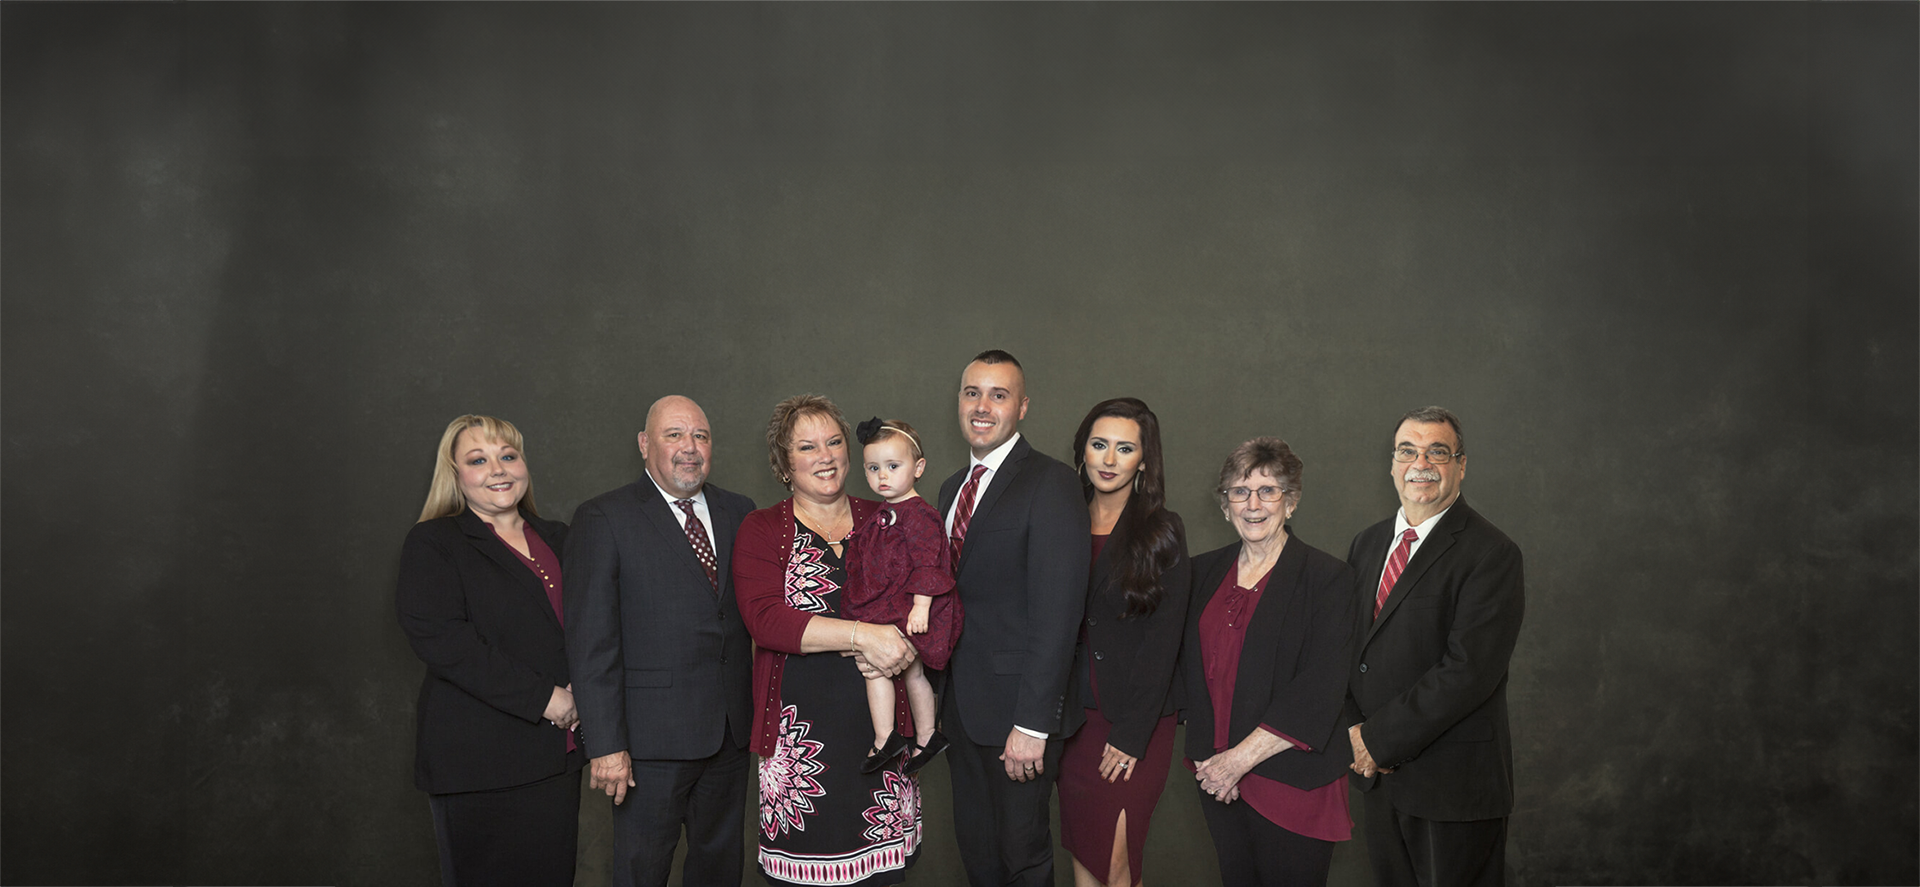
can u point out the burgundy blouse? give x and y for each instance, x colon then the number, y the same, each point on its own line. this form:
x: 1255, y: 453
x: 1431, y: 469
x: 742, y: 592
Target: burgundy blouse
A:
x: 1316, y: 813
x: 546, y: 565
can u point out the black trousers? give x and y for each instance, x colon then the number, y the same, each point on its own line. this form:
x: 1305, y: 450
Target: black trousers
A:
x: 1407, y: 851
x: 1255, y: 852
x: 1003, y: 827
x: 708, y: 796
x: 525, y: 835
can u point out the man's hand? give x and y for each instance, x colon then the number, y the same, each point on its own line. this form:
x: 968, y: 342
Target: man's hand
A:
x: 1363, y: 762
x: 1024, y: 756
x: 612, y: 774
x: 560, y: 708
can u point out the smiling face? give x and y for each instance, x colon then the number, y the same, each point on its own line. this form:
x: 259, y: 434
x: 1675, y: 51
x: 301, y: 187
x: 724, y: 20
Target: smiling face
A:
x: 892, y: 468
x: 1257, y: 520
x: 1427, y: 489
x: 993, y: 400
x: 493, y: 477
x: 819, y: 458
x: 677, y: 445
x: 1113, y: 454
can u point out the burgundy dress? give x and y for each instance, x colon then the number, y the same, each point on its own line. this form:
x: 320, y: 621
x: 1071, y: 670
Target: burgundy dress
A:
x: 895, y: 554
x: 1090, y: 806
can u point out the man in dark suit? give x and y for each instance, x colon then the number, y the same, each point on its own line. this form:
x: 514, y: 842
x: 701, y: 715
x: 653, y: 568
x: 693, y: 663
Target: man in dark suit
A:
x: 1443, y: 595
x: 1019, y: 527
x: 660, y: 659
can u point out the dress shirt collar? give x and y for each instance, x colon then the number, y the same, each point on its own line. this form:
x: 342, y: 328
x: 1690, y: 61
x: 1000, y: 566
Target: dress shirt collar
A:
x: 1420, y: 532
x: 699, y: 498
x: 994, y: 459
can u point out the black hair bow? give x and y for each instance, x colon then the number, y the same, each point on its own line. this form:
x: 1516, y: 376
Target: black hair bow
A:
x: 868, y: 430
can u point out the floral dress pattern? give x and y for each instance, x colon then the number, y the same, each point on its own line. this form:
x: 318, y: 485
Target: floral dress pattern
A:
x: 822, y: 821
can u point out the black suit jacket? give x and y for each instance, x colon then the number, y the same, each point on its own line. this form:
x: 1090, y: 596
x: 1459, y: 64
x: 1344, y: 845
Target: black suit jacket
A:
x: 1293, y: 665
x: 1133, y: 659
x: 1022, y: 577
x: 1430, y: 680
x: 482, y: 623
x: 661, y: 661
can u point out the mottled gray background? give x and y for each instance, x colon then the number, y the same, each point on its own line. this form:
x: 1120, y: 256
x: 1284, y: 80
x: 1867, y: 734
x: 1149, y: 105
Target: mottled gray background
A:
x: 1661, y: 258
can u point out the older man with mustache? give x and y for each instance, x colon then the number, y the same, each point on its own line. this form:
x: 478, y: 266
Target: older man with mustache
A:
x: 1442, y: 595
x: 660, y: 658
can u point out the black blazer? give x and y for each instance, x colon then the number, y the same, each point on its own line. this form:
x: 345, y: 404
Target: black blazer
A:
x: 661, y: 661
x: 482, y: 623
x: 1430, y: 680
x: 1134, y: 659
x: 1022, y: 577
x: 1293, y: 666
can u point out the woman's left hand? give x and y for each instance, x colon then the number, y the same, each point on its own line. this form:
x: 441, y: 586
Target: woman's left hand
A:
x: 882, y: 651
x: 1220, y: 775
x: 1116, y: 764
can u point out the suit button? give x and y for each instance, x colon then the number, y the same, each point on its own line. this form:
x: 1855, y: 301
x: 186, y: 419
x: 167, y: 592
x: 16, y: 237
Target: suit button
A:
x: 1363, y: 668
x: 1099, y: 655
x: 1091, y: 622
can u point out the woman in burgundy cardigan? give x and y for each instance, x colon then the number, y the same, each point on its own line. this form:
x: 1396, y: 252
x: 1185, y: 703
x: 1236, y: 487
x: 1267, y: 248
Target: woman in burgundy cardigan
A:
x: 822, y: 821
x: 1269, y: 640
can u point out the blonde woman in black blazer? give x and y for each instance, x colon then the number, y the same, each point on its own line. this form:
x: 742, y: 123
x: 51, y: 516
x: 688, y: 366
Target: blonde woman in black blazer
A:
x: 1116, y: 762
x: 478, y: 598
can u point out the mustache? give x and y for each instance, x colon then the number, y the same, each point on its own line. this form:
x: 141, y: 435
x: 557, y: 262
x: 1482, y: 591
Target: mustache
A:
x: 1426, y: 474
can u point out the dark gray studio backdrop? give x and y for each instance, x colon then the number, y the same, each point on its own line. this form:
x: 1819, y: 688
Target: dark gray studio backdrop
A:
x: 1661, y: 259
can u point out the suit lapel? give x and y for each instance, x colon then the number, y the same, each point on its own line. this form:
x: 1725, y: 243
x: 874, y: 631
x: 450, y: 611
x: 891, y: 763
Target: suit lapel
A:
x: 1431, y: 548
x: 1210, y: 583
x: 1003, y: 478
x: 489, y: 543
x: 662, y: 515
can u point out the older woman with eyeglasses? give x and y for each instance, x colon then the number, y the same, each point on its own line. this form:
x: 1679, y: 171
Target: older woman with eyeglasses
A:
x: 1269, y: 636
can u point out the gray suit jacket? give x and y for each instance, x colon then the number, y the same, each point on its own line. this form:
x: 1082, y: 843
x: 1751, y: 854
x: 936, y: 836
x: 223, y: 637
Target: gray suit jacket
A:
x: 661, y: 662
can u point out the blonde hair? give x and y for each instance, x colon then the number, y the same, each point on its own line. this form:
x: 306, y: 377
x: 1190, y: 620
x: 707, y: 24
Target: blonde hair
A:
x: 444, y: 498
x: 786, y: 414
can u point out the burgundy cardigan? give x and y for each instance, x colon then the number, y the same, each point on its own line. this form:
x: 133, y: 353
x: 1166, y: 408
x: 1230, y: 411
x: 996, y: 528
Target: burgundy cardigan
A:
x: 760, y: 560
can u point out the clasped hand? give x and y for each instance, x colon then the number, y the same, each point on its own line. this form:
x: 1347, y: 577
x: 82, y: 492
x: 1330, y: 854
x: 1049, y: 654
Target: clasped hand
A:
x: 880, y: 651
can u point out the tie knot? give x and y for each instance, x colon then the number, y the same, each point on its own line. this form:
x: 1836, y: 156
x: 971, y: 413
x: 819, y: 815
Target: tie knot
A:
x: 977, y: 471
x: 686, y: 505
x: 1410, y: 536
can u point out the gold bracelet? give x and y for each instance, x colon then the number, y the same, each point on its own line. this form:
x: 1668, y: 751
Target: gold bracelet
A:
x: 853, y: 637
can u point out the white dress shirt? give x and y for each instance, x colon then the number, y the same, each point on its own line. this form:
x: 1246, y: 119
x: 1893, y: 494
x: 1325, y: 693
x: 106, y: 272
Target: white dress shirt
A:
x: 1400, y: 528
x: 699, y: 510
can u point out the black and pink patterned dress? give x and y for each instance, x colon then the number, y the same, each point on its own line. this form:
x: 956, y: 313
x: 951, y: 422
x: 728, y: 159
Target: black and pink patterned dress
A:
x: 822, y: 821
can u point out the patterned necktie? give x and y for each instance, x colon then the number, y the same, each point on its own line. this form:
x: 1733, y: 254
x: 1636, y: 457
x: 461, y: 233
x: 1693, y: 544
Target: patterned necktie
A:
x: 963, y: 513
x: 1395, y: 564
x: 697, y: 534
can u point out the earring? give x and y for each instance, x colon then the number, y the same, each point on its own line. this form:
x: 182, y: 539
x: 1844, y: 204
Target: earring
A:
x: 1136, y: 481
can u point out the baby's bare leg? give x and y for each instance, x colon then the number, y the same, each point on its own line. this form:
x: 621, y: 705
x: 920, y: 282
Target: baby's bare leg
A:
x: 880, y: 706
x: 921, y: 701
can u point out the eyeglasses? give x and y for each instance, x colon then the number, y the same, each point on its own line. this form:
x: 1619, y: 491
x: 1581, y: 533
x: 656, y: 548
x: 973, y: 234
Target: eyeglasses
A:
x: 1437, y: 454
x: 1266, y: 494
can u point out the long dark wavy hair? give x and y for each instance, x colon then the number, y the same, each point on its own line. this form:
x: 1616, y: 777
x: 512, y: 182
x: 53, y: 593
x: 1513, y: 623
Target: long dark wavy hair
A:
x: 1147, y: 538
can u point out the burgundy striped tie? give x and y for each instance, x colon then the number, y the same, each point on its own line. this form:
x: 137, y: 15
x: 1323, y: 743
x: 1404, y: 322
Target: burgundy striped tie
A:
x: 963, y: 513
x: 1395, y: 564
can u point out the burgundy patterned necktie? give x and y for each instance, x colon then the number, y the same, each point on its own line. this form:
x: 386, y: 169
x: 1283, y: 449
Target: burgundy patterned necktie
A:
x: 697, y: 534
x: 1395, y: 564
x: 963, y: 513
